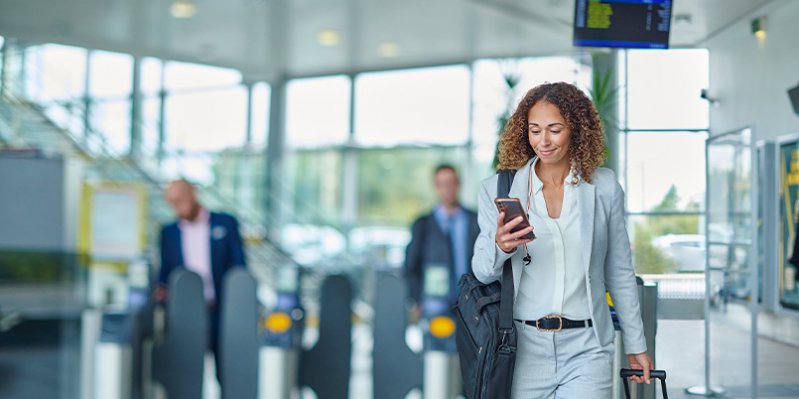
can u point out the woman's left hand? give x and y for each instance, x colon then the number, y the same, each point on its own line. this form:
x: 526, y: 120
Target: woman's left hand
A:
x: 641, y: 361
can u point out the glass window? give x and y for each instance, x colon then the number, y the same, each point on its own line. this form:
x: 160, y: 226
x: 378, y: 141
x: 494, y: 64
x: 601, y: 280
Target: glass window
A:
x: 69, y: 118
x: 664, y: 89
x: 667, y: 244
x: 395, y: 186
x: 665, y: 171
x: 422, y: 105
x: 500, y: 84
x: 183, y: 76
x: 240, y: 176
x: 151, y: 121
x: 315, y: 182
x: 111, y: 74
x: 196, y: 167
x: 151, y: 75
x: 209, y: 120
x: 318, y: 111
x: 259, y: 122
x: 111, y: 119
x: 54, y: 72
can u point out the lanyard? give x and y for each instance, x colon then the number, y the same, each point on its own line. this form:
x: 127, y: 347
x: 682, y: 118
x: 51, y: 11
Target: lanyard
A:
x: 527, y: 258
x: 530, y: 200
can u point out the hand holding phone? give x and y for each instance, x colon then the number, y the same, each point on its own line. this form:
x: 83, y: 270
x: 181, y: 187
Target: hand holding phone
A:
x: 513, y: 227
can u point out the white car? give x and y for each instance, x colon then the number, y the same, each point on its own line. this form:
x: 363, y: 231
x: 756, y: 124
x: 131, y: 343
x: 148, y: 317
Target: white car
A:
x: 688, y: 250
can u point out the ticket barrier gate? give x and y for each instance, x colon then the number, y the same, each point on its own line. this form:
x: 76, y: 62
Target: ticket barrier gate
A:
x: 284, y: 364
x: 280, y: 336
x: 238, y: 337
x: 396, y: 369
x: 326, y: 367
x: 441, y: 367
x: 115, y: 355
x: 246, y: 370
x: 113, y: 377
x: 179, y: 353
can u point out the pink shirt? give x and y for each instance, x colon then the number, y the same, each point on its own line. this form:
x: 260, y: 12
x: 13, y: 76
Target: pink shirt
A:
x: 196, y: 246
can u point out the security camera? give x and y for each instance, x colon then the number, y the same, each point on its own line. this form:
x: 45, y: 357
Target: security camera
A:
x: 705, y: 96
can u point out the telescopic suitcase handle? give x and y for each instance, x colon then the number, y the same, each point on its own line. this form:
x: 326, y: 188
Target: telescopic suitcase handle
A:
x: 659, y: 374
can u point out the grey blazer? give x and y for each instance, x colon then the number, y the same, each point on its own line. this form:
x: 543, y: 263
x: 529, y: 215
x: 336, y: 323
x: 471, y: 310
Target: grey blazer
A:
x: 608, y: 264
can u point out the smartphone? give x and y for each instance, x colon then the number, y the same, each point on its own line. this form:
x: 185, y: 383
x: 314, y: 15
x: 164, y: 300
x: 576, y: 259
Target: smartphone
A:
x: 513, y: 209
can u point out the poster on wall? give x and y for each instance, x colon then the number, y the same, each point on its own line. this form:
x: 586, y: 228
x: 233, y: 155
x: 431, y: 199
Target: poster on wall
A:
x: 114, y: 221
x: 789, y: 218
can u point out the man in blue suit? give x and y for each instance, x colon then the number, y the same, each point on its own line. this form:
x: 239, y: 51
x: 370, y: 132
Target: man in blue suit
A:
x: 207, y: 243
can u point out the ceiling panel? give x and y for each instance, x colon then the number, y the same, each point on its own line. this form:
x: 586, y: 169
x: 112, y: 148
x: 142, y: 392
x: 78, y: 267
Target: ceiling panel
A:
x: 268, y: 37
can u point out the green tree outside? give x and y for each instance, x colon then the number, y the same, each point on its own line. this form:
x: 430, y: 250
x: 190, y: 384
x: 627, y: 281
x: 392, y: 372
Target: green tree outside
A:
x: 649, y: 259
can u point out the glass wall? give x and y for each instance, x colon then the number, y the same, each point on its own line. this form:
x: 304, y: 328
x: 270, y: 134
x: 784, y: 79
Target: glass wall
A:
x: 428, y: 105
x: 370, y: 167
x: 360, y: 149
x: 663, y: 131
x: 318, y: 112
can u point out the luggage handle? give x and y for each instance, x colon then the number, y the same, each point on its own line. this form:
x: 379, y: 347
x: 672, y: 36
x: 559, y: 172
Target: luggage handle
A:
x: 659, y: 374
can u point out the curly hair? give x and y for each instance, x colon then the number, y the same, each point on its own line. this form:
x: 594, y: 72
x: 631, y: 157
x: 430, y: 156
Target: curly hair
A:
x: 587, y: 144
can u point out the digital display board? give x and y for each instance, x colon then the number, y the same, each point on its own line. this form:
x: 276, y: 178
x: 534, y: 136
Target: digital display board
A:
x: 622, y: 23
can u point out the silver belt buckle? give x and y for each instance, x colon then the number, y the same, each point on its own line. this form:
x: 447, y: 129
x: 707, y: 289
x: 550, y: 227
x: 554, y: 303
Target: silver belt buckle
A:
x: 550, y: 316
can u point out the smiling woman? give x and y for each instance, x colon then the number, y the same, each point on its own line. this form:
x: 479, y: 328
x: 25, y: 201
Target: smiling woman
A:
x: 575, y: 113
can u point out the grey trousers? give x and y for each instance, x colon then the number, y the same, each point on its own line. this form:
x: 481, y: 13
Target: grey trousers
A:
x: 569, y: 364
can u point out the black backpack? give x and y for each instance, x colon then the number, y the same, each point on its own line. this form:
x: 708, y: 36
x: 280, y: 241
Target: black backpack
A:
x: 485, y: 334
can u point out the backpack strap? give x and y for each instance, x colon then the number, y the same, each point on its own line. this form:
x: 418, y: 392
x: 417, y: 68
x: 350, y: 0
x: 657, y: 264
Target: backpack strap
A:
x: 504, y: 181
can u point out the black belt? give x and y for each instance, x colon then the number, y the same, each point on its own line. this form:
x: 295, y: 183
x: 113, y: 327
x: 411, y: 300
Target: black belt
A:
x: 556, y: 323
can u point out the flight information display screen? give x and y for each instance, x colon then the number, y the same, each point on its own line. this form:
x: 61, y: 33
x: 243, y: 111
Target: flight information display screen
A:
x: 622, y: 23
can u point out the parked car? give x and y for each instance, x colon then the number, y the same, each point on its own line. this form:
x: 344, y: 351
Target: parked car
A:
x: 688, y: 250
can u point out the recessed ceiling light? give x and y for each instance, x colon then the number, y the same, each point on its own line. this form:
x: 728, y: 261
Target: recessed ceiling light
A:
x: 388, y: 49
x: 183, y: 9
x: 328, y: 37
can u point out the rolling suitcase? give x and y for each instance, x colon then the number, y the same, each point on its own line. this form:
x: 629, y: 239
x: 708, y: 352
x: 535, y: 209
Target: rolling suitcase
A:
x: 659, y: 374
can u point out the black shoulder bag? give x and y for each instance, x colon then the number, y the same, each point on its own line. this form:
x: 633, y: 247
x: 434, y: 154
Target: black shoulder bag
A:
x: 485, y: 334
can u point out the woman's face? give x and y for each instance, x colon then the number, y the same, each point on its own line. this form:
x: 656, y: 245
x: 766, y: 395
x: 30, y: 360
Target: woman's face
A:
x: 548, y: 133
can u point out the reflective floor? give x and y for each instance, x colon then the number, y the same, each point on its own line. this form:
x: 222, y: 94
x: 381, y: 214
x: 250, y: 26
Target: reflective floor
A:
x: 54, y: 363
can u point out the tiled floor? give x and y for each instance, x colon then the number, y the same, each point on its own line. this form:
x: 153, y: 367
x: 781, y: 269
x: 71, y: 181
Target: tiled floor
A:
x: 680, y: 352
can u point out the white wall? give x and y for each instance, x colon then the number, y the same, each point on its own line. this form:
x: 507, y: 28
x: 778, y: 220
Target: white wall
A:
x: 750, y: 77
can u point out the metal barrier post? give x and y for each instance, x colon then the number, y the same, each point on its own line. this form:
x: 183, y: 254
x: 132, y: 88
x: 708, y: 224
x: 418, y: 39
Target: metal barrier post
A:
x: 396, y: 369
x: 441, y: 369
x: 281, y: 339
x: 114, y: 357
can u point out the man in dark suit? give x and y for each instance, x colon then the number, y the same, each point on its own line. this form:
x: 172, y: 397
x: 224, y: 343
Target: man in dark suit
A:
x: 443, y: 239
x: 207, y: 243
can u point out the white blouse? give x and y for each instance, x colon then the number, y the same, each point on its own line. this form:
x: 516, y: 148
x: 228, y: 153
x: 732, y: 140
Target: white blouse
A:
x: 554, y: 282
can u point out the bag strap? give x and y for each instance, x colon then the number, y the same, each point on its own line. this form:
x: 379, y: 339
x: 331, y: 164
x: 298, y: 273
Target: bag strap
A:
x: 504, y: 181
